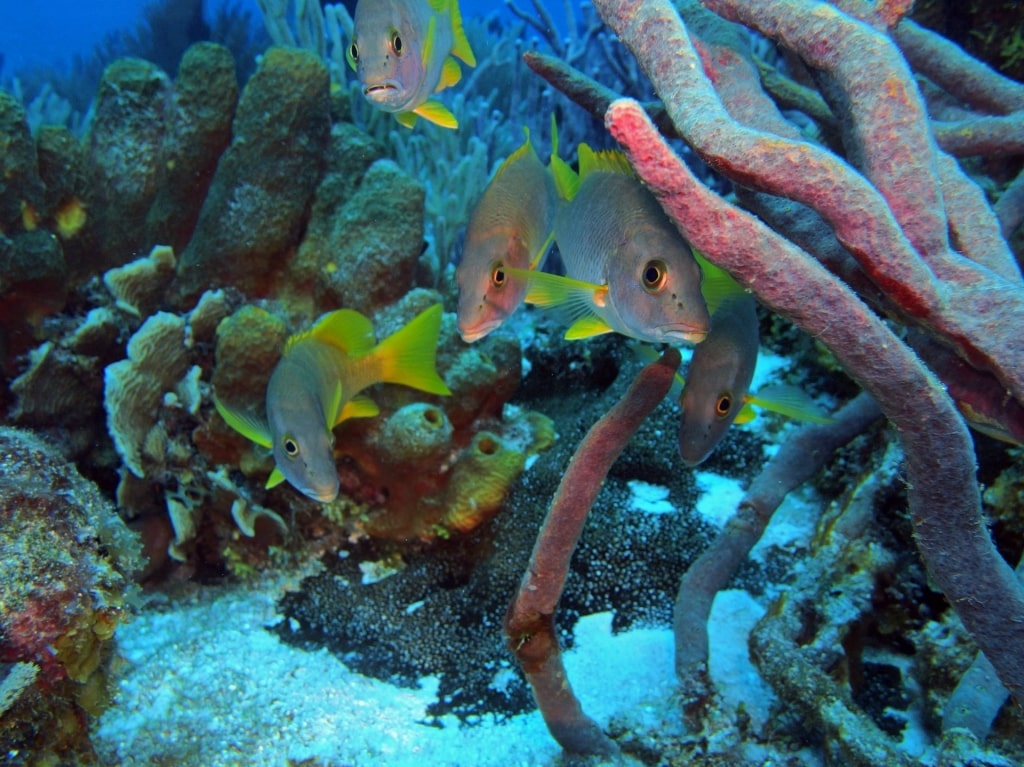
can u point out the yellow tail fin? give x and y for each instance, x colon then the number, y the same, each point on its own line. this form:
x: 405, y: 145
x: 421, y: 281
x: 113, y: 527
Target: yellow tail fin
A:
x: 408, y: 356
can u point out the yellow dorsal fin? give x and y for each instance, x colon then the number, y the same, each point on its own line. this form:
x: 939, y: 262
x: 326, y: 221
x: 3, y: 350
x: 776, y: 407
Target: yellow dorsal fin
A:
x: 524, y: 149
x: 407, y: 356
x: 607, y: 160
x: 567, y: 181
x: 435, y: 112
x: 275, y: 478
x: 344, y: 329
x: 460, y: 43
x: 587, y: 327
x: 359, y: 406
x: 451, y: 73
x: 716, y: 284
x: 246, y: 424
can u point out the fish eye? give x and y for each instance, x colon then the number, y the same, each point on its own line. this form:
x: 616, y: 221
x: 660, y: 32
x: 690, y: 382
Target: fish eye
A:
x: 654, y: 276
x: 291, y: 447
x: 723, y: 405
x: 353, y: 52
x: 498, y: 276
x: 396, y: 42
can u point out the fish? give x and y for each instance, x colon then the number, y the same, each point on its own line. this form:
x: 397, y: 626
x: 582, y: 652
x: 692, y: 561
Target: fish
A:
x: 511, y: 226
x: 715, y: 392
x: 404, y: 51
x: 627, y: 268
x: 316, y: 386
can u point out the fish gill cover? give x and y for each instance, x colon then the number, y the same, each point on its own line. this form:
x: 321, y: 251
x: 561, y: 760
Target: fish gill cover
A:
x: 185, y: 196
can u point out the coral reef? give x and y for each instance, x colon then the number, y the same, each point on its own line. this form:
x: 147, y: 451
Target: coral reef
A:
x: 65, y: 584
x: 262, y: 208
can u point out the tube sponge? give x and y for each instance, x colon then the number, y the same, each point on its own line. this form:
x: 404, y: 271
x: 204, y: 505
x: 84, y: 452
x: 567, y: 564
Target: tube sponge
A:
x: 418, y: 433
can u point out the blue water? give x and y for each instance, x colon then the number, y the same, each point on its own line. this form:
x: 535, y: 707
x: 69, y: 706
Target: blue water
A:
x: 53, y: 33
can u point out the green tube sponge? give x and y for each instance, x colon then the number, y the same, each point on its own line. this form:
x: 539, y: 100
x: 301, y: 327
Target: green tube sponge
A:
x: 482, y: 476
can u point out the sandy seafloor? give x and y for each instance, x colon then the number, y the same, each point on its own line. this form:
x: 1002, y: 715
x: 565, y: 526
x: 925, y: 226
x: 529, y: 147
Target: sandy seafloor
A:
x: 201, y: 681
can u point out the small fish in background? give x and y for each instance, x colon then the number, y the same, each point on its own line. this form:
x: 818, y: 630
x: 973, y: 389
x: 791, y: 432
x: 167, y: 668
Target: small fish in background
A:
x: 627, y: 269
x: 400, y: 51
x: 715, y: 393
x: 510, y: 227
x: 316, y: 386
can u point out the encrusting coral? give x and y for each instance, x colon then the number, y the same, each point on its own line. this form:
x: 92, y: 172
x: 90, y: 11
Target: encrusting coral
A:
x: 66, y: 573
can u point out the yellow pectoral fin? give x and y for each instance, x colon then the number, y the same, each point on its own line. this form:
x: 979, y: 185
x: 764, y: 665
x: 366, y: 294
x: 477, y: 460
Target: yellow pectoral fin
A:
x: 587, y: 327
x: 554, y: 290
x: 429, y: 41
x: 334, y: 414
x: 572, y: 301
x: 606, y: 160
x: 746, y: 414
x: 451, y: 73
x: 405, y: 119
x: 791, y: 402
x: 716, y: 284
x: 435, y: 112
x: 275, y: 478
x: 358, y: 407
x: 249, y: 426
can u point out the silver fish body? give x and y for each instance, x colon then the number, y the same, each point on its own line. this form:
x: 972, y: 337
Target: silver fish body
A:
x: 508, y: 228
x: 298, y: 405
x: 390, y: 36
x: 718, y: 378
x: 614, y: 233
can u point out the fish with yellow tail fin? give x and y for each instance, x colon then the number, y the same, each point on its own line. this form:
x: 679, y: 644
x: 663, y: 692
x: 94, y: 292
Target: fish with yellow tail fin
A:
x: 627, y: 269
x: 511, y: 227
x: 316, y: 386
x: 716, y: 390
x: 404, y: 51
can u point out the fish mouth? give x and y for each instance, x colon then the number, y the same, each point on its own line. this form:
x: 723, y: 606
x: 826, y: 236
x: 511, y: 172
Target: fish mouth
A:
x: 475, y: 333
x: 381, y: 91
x: 684, y: 334
x: 324, y: 496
